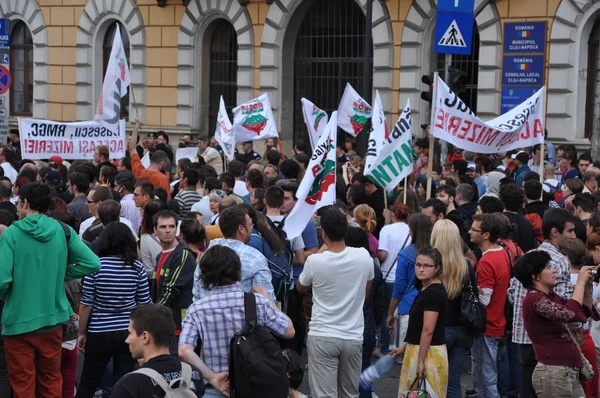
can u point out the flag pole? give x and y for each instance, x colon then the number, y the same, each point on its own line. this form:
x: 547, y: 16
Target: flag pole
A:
x: 405, y: 187
x: 430, y: 158
x: 542, y: 147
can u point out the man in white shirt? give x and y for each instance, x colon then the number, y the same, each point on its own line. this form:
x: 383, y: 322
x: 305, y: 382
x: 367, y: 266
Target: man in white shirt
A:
x: 95, y: 198
x: 207, y: 182
x: 237, y: 168
x: 211, y: 156
x: 340, y: 278
x: 551, y: 184
x: 6, y: 158
x: 125, y: 185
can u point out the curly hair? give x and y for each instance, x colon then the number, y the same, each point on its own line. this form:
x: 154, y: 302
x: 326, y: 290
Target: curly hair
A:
x: 219, y: 266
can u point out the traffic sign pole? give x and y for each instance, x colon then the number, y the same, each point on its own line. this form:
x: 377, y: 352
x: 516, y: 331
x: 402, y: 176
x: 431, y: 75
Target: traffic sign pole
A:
x: 5, y: 78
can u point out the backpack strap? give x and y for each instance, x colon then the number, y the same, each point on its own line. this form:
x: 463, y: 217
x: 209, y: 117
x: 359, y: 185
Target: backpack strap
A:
x: 250, y: 308
x: 157, y: 377
x: 186, y: 375
x: 67, y: 232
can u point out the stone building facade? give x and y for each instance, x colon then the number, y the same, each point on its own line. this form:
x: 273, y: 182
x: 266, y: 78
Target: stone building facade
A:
x: 58, y: 60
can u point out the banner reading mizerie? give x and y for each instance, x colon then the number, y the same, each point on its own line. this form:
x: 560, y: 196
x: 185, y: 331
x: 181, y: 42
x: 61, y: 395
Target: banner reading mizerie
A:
x: 254, y: 120
x: 395, y: 159
x: 455, y: 123
x: 42, y: 139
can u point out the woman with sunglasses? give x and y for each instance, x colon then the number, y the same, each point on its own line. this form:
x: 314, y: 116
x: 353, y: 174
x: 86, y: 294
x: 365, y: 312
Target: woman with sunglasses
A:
x: 215, y: 196
x: 424, y: 349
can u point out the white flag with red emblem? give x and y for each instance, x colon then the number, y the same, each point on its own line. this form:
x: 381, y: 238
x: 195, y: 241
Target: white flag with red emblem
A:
x: 317, y: 188
x: 116, y: 81
x: 378, y: 134
x: 315, y: 119
x: 254, y: 120
x: 224, y: 132
x: 353, y: 112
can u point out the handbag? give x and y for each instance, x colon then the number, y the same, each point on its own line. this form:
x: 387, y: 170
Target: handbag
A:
x: 586, y: 373
x: 418, y: 389
x: 472, y: 312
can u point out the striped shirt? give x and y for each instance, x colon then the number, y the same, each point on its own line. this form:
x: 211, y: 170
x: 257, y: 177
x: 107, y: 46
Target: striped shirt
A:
x: 114, y: 292
x: 187, y: 198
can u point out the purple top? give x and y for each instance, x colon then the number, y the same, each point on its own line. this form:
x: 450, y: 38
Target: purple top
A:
x: 373, y: 245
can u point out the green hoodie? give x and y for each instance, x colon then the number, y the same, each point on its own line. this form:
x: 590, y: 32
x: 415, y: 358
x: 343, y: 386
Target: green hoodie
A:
x: 33, y: 268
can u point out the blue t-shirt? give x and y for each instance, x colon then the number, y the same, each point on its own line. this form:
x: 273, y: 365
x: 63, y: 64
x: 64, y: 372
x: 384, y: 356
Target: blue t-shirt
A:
x: 309, y: 236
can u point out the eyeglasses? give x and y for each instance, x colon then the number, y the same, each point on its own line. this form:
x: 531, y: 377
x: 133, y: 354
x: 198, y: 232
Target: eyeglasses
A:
x: 476, y: 230
x: 219, y: 193
x: 92, y: 201
x: 418, y: 265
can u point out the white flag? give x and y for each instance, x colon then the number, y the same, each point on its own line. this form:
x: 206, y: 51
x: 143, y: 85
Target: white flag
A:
x: 315, y: 119
x: 116, y: 81
x: 254, y: 120
x: 379, y: 133
x: 395, y: 160
x: 353, y: 111
x: 224, y: 132
x: 317, y: 188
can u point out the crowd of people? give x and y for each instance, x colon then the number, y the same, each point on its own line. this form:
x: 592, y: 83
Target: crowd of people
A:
x: 151, y: 271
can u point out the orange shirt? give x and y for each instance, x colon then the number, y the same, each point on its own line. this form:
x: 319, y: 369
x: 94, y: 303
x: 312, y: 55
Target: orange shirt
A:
x: 213, y: 232
x: 157, y: 178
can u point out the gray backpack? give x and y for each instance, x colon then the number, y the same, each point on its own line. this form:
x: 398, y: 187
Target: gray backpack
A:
x: 183, y: 391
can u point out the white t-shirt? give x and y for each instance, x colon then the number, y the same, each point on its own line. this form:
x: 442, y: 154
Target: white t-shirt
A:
x: 203, y: 207
x: 338, y: 282
x: 88, y: 222
x: 240, y: 188
x: 297, y: 243
x: 10, y: 172
x: 391, y: 239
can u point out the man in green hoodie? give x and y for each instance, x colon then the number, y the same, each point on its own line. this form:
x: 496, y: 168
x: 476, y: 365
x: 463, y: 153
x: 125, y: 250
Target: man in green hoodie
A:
x: 37, y: 257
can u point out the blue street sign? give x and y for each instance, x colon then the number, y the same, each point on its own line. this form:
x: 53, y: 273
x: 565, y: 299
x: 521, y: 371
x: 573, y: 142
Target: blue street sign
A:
x: 453, y: 33
x: 4, y: 32
x: 525, y: 37
x: 523, y: 70
x: 5, y: 58
x: 464, y: 6
x: 514, y: 96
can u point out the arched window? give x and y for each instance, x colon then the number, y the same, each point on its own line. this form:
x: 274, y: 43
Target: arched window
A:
x: 592, y: 100
x: 329, y: 53
x: 469, y: 64
x: 222, y: 70
x: 21, y: 68
x: 106, y: 49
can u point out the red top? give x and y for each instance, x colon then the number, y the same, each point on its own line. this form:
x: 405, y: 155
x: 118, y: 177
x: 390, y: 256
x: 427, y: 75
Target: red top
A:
x: 161, y: 262
x: 455, y: 156
x: 493, y: 272
x: 545, y: 316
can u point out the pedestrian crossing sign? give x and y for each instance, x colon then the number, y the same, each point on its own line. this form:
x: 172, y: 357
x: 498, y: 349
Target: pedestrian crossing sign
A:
x: 453, y: 33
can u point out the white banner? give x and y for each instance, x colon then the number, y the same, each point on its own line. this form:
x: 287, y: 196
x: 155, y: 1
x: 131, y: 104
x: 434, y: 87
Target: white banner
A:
x: 315, y: 119
x: 254, y: 120
x: 378, y: 134
x: 190, y: 153
x: 353, y: 112
x: 395, y: 159
x: 42, y: 139
x: 317, y: 188
x: 116, y: 81
x: 455, y: 123
x: 224, y: 132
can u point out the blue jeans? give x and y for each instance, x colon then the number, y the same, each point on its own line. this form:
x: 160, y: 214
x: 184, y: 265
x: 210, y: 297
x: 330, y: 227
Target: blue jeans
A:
x: 458, y: 344
x: 368, y: 346
x: 509, y: 371
x: 484, y: 356
x: 385, y: 333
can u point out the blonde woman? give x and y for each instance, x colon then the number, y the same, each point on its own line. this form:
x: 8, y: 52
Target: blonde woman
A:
x: 364, y: 216
x: 445, y: 237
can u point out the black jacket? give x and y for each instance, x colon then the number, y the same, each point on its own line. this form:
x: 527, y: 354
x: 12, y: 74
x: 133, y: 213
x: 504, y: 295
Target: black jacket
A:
x: 176, y: 282
x: 377, y: 203
x: 374, y: 306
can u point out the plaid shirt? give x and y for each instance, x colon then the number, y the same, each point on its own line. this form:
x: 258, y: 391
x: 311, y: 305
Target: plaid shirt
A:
x: 516, y: 294
x: 255, y: 270
x: 215, y: 319
x: 563, y: 287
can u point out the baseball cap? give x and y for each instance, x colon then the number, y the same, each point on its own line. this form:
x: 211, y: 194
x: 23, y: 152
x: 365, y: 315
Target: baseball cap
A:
x: 522, y: 157
x: 153, y: 135
x: 53, y: 176
x: 56, y: 160
x: 472, y: 165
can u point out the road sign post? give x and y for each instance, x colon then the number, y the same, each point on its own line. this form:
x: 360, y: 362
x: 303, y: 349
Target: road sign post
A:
x: 5, y: 78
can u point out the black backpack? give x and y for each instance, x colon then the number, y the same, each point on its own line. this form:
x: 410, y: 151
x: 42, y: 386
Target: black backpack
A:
x: 256, y: 367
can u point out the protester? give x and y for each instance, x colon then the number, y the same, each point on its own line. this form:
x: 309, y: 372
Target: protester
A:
x: 109, y: 296
x: 193, y: 233
x: 150, y: 247
x: 188, y: 195
x: 392, y: 240
x: 151, y: 330
x: 211, y: 156
x: 217, y: 316
x: 142, y: 193
x: 248, y: 154
x: 32, y: 288
x: 424, y: 350
x: 340, y: 280
x: 545, y: 314
x: 125, y: 185
x: 78, y: 206
x: 7, y: 161
x: 365, y: 217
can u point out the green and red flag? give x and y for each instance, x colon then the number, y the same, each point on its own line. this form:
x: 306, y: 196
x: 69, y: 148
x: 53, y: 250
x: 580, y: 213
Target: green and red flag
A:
x: 317, y: 188
x: 254, y: 120
x: 315, y: 119
x: 354, y: 112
